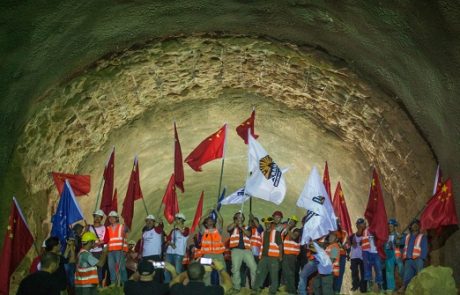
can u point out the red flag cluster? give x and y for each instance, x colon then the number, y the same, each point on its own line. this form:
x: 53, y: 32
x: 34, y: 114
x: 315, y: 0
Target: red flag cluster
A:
x: 133, y: 193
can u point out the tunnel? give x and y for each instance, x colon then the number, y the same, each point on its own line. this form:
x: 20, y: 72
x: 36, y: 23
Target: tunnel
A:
x: 359, y: 84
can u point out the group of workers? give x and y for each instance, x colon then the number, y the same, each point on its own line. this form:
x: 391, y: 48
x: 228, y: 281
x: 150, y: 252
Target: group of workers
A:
x: 263, y: 253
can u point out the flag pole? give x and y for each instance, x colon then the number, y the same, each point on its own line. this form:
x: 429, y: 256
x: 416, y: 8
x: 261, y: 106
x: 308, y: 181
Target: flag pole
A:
x: 223, y: 162
x: 25, y: 221
x: 145, y: 206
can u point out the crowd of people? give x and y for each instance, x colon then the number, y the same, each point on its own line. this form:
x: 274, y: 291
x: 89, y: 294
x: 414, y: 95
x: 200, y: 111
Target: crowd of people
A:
x: 214, y: 259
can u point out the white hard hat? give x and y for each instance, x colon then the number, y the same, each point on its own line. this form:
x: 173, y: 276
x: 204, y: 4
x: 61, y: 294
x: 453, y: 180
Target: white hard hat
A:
x: 150, y: 216
x: 113, y: 214
x: 99, y: 212
x: 181, y: 216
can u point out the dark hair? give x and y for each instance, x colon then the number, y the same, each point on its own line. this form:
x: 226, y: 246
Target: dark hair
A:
x: 50, y: 243
x: 195, y: 271
x: 77, y: 226
x: 235, y: 216
x: 49, y: 258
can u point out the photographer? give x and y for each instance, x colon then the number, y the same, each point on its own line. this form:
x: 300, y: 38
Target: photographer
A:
x: 142, y: 281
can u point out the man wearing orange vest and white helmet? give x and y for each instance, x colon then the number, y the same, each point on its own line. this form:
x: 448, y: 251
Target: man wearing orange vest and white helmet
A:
x: 393, y: 255
x: 240, y: 246
x: 291, y: 248
x: 271, y: 256
x: 414, y: 253
x: 86, y: 276
x: 117, y: 244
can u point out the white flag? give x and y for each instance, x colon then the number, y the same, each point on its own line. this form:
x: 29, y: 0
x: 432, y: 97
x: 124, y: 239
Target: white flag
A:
x: 320, y: 214
x: 237, y: 197
x: 266, y: 179
x: 324, y: 261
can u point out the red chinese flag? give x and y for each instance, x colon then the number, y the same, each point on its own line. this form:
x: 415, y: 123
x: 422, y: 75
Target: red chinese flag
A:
x: 107, y: 191
x: 17, y: 242
x: 341, y: 210
x: 242, y: 129
x: 133, y: 193
x: 327, y: 181
x: 115, y: 201
x: 81, y: 184
x: 209, y: 149
x: 170, y: 201
x: 178, y: 164
x: 376, y: 214
x: 198, y: 213
x: 440, y: 209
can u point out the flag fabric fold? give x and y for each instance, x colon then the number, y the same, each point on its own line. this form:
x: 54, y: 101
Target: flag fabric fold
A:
x: 237, y: 197
x: 209, y: 149
x: 327, y: 181
x: 81, y: 184
x: 341, y: 210
x: 133, y: 193
x: 178, y: 164
x: 320, y: 218
x: 17, y: 242
x: 266, y: 180
x: 67, y: 213
x: 170, y: 201
x: 324, y: 261
x: 107, y: 191
x: 440, y: 210
x: 115, y: 201
x: 198, y: 213
x: 243, y: 128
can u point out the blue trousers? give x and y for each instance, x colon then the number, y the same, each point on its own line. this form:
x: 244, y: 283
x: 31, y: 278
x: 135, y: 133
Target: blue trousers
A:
x: 411, y: 268
x: 310, y: 268
x: 117, y: 261
x: 390, y: 263
x: 337, y: 284
x: 175, y: 260
x: 372, y: 260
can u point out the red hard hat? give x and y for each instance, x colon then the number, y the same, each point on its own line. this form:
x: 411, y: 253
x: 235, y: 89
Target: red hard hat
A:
x: 278, y: 213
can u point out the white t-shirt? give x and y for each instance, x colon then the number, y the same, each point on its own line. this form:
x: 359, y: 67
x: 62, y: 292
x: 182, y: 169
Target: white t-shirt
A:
x: 180, y: 241
x: 152, y: 242
x: 100, y: 233
x: 356, y: 251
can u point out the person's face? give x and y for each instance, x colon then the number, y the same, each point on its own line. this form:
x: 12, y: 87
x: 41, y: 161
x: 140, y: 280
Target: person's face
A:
x: 391, y: 228
x: 332, y: 238
x: 239, y: 218
x: 277, y: 219
x: 210, y: 223
x: 149, y: 223
x: 113, y: 220
x: 361, y: 226
x: 79, y: 231
x: 292, y: 223
x: 57, y: 249
x: 295, y: 234
x: 131, y: 247
x: 97, y: 218
x: 415, y: 227
x: 179, y: 220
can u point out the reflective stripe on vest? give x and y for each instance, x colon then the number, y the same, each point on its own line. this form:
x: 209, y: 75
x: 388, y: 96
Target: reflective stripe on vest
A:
x: 86, y: 275
x: 336, y: 262
x: 117, y: 238
x: 235, y: 239
x: 397, y: 252
x: 273, y: 249
x: 365, y: 244
x: 196, y: 253
x: 290, y: 247
x: 211, y: 242
x: 417, y: 251
x: 256, y: 239
x: 186, y: 259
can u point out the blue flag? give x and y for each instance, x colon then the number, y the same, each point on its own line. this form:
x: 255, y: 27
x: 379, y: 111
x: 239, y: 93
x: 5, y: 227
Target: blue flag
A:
x: 219, y: 205
x: 67, y: 213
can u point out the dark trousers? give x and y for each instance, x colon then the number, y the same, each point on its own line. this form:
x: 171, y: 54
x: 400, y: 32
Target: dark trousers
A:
x: 357, y: 275
x: 268, y: 265
x: 288, y: 267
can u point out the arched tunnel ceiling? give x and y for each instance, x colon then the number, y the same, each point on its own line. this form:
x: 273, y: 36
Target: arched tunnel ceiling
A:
x: 408, y: 51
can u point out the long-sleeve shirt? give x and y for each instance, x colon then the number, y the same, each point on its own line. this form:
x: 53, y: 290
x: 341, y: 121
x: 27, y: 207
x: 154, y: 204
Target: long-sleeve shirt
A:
x: 423, y: 246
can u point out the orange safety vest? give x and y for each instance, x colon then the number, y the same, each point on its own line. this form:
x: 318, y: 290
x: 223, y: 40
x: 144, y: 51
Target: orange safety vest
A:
x: 86, y: 275
x: 211, y: 242
x: 227, y: 252
x: 290, y: 247
x: 417, y: 251
x: 365, y: 244
x: 342, y: 236
x: 186, y: 259
x: 117, y: 238
x: 336, y: 262
x: 196, y: 252
x: 235, y: 239
x: 256, y: 239
x: 273, y: 249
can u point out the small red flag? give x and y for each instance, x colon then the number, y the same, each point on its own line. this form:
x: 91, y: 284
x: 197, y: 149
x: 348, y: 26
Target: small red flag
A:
x: 341, y: 210
x: 81, y: 184
x: 198, y: 213
x: 170, y: 201
x: 209, y: 149
x: 107, y: 191
x: 376, y: 214
x: 178, y: 164
x: 133, y: 193
x: 17, y: 242
x: 327, y: 181
x: 440, y: 209
x: 242, y: 129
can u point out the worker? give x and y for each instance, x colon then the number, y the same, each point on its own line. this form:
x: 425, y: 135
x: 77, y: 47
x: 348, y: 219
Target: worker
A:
x: 415, y: 252
x: 393, y: 254
x: 117, y: 243
x: 291, y: 248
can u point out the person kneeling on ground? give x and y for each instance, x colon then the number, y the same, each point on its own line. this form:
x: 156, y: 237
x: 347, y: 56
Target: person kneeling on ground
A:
x: 195, y: 274
x: 141, y: 282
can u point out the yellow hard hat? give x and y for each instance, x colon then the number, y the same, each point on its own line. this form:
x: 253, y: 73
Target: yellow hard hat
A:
x: 294, y: 218
x: 88, y: 237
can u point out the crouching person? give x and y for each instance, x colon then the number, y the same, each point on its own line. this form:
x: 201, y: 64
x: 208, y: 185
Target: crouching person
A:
x: 86, y: 276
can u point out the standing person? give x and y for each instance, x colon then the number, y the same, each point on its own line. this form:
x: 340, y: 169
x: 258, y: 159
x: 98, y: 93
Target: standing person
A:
x: 393, y: 254
x: 99, y: 230
x: 356, y: 258
x: 86, y: 276
x: 414, y: 253
x: 277, y: 221
x: 256, y: 236
x: 132, y: 258
x: 152, y: 239
x: 176, y: 243
x: 323, y: 283
x: 240, y: 246
x: 371, y: 258
x: 117, y: 246
x: 271, y: 256
x: 41, y: 282
x: 59, y: 276
x: 212, y: 245
x: 35, y: 265
x: 342, y: 239
x: 143, y: 282
x: 291, y: 247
